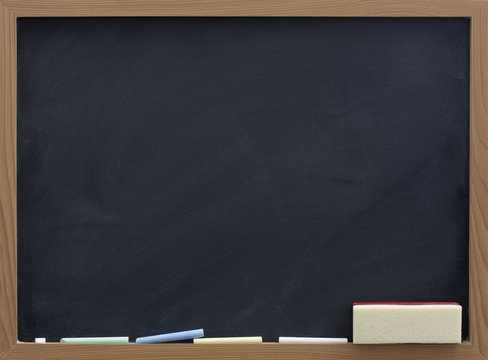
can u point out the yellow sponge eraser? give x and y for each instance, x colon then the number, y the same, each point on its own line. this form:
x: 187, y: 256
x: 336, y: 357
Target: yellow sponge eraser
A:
x: 407, y: 322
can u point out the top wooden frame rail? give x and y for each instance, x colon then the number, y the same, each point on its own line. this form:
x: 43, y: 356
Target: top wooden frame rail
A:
x: 330, y: 8
x: 476, y: 10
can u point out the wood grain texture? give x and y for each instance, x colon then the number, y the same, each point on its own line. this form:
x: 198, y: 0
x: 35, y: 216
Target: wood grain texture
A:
x: 477, y: 9
x: 478, y: 296
x: 237, y: 352
x: 8, y: 210
x: 243, y: 7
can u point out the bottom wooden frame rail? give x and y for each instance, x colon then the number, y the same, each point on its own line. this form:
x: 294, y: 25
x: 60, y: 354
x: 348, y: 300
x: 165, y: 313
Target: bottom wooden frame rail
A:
x: 54, y: 351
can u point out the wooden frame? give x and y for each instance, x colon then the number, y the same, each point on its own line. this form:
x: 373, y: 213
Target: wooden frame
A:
x: 477, y: 10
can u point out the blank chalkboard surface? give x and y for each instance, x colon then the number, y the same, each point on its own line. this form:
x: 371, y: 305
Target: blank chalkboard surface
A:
x: 251, y: 176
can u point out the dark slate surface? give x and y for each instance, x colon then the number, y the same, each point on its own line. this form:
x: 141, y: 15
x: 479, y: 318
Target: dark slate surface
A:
x: 248, y: 176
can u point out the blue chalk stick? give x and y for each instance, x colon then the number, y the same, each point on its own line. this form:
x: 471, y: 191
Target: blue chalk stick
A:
x: 176, y: 336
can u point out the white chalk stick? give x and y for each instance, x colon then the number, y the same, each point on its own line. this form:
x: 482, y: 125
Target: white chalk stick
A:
x: 397, y: 323
x: 311, y: 340
x: 40, y: 340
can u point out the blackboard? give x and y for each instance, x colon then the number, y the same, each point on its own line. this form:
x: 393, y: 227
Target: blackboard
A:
x: 251, y: 176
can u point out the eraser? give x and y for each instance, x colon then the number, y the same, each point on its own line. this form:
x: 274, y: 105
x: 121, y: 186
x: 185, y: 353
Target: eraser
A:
x: 230, y: 340
x: 40, y: 340
x: 96, y: 340
x: 311, y: 340
x: 407, y: 322
x: 175, y: 336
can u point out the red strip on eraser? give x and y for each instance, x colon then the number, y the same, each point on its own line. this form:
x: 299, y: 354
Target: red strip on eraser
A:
x: 405, y: 303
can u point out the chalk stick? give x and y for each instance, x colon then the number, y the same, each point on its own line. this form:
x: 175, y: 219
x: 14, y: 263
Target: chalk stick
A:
x: 397, y: 323
x: 40, y: 340
x: 175, y: 336
x: 96, y: 340
x: 311, y: 340
x: 230, y: 340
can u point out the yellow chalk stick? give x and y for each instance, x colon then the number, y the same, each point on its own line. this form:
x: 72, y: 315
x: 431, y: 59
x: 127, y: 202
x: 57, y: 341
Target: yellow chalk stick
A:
x: 230, y: 340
